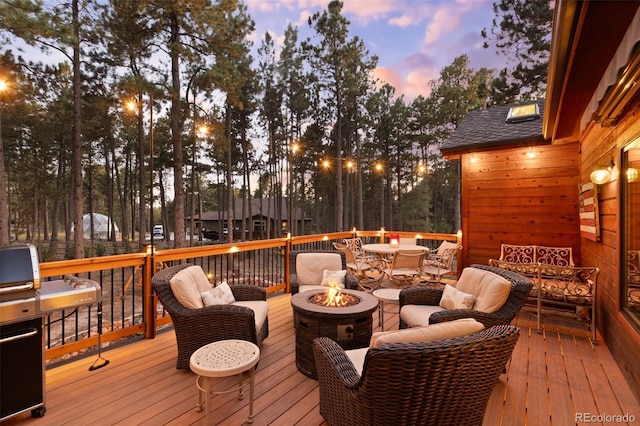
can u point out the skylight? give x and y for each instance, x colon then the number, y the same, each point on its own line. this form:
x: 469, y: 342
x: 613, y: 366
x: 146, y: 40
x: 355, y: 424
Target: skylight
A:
x: 526, y: 112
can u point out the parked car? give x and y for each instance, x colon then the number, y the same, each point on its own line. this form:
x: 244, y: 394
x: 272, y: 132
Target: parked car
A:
x: 158, y: 231
x: 210, y: 234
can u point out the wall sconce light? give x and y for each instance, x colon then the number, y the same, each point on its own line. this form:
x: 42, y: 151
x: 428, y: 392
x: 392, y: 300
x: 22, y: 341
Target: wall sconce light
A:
x: 602, y: 174
x: 632, y: 174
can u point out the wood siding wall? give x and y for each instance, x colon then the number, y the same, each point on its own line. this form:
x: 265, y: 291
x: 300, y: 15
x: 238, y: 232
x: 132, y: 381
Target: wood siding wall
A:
x: 510, y: 197
x: 599, y: 145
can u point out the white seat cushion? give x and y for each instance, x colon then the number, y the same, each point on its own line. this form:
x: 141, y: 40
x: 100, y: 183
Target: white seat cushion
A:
x: 415, y: 315
x: 187, y: 286
x: 310, y: 266
x: 491, y: 290
x: 260, y: 309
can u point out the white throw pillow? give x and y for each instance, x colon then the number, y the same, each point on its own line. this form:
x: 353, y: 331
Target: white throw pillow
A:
x: 453, y: 298
x: 491, y: 290
x: 427, y: 333
x: 220, y: 295
x: 333, y: 278
x: 188, y: 284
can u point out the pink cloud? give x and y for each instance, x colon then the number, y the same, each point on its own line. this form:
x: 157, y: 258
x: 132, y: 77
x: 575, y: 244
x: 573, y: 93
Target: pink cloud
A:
x: 414, y: 84
x: 443, y: 21
x: 390, y: 76
x: 418, y: 82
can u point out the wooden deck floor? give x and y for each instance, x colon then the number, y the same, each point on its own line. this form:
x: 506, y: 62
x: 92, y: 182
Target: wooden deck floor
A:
x: 552, y: 377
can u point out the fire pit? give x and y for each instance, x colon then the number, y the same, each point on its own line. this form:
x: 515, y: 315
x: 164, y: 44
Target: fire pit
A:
x: 348, y: 322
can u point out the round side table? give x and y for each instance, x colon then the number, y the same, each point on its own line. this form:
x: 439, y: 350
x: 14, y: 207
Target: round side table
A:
x: 386, y: 295
x: 222, y: 359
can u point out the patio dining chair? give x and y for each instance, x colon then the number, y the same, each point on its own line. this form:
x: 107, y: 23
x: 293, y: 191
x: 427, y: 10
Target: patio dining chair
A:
x: 440, y: 263
x: 404, y: 267
x: 355, y: 245
x: 359, y: 267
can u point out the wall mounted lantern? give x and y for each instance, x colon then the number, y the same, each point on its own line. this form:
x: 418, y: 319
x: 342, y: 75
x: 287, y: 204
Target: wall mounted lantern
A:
x: 602, y: 174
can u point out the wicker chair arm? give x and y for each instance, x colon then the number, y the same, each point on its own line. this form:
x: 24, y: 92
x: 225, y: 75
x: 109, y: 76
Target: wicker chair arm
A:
x: 488, y: 320
x: 333, y: 363
x: 293, y: 281
x: 351, y: 282
x: 420, y: 296
x: 207, y: 313
x: 244, y: 292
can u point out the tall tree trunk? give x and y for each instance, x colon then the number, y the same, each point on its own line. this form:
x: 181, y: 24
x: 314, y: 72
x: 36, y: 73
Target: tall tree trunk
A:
x: 122, y: 200
x: 339, y: 196
x: 142, y: 229
x: 78, y: 241
x: 4, y: 195
x: 229, y: 176
x: 176, y: 135
x: 247, y: 178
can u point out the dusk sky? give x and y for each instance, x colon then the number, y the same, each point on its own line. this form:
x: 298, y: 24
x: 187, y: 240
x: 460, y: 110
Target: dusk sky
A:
x: 413, y: 39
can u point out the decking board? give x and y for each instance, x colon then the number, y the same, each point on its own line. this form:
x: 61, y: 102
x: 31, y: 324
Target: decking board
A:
x: 550, y: 377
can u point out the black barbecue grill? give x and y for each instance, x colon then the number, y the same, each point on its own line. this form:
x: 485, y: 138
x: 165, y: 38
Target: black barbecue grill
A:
x: 24, y: 300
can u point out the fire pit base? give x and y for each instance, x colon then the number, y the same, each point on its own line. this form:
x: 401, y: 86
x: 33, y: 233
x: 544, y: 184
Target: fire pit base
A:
x: 350, y: 327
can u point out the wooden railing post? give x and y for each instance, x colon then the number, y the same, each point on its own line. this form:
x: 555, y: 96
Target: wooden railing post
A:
x: 459, y: 259
x: 287, y: 266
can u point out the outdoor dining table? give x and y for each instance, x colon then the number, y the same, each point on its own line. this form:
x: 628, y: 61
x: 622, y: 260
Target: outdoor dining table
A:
x: 387, y: 249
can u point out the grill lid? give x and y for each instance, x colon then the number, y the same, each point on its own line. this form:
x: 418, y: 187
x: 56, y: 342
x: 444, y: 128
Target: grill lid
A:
x: 22, y: 295
x: 19, y: 267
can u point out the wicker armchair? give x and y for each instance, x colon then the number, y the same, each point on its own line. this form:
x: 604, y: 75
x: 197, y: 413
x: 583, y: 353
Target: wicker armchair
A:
x: 520, y: 288
x: 195, y: 328
x: 443, y: 382
x: 351, y: 281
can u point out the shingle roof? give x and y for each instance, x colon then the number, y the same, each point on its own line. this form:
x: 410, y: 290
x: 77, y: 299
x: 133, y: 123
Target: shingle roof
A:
x: 488, y: 128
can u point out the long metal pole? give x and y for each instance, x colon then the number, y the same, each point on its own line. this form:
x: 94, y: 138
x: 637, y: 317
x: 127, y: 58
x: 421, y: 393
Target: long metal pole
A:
x: 153, y: 266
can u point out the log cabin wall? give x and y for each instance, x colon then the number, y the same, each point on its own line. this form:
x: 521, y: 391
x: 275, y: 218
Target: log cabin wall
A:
x: 526, y: 195
x: 599, y: 145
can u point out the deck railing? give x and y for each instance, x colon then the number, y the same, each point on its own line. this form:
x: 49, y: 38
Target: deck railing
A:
x: 129, y: 307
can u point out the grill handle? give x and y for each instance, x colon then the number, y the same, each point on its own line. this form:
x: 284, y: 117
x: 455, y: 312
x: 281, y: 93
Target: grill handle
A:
x: 27, y: 286
x: 30, y: 333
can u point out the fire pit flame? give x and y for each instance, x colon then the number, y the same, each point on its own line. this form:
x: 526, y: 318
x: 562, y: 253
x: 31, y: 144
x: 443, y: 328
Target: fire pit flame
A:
x: 333, y: 297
